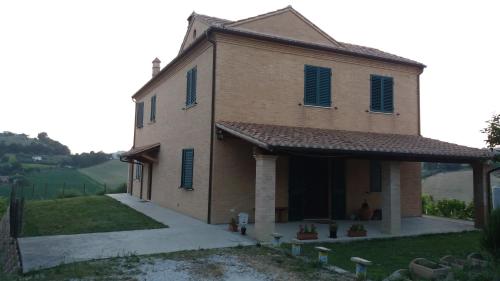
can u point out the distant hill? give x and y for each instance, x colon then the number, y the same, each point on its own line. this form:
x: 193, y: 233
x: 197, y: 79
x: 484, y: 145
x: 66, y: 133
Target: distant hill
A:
x: 452, y: 185
x: 22, y: 143
x: 112, y: 172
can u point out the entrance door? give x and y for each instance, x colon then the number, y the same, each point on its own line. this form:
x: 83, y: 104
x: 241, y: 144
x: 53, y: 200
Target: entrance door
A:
x: 308, y: 188
x: 338, y: 190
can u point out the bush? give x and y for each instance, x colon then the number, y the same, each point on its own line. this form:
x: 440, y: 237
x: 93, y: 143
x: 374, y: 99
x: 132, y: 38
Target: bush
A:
x: 122, y: 188
x: 490, y: 239
x: 449, y: 208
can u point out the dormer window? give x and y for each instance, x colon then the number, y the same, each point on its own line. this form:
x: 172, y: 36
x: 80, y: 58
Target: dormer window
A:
x: 194, y: 34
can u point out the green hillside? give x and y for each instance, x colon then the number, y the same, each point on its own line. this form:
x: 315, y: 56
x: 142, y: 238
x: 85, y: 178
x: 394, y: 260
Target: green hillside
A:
x: 112, y: 173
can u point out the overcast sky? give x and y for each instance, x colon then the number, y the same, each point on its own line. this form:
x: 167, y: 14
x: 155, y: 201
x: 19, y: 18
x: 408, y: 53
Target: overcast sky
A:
x: 69, y: 68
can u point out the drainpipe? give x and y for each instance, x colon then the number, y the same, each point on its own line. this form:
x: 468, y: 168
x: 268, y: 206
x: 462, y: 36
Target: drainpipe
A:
x: 212, y: 128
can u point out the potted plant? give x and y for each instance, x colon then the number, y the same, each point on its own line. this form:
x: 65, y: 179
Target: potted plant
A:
x: 243, y: 230
x: 426, y: 269
x: 333, y: 229
x: 477, y: 260
x: 356, y: 230
x: 453, y: 262
x: 307, y: 234
x: 365, y: 213
x: 233, y: 226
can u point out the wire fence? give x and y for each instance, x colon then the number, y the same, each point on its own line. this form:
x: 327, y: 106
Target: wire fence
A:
x: 60, y: 190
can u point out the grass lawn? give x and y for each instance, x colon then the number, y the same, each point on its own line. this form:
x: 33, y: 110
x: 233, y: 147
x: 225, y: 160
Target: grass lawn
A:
x: 82, y: 215
x: 3, y: 206
x: 389, y: 255
x: 239, y: 263
x: 112, y: 172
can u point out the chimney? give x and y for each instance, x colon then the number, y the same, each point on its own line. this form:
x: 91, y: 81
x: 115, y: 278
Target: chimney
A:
x: 156, y: 66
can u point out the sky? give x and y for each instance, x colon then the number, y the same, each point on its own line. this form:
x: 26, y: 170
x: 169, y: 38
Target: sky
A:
x: 69, y: 68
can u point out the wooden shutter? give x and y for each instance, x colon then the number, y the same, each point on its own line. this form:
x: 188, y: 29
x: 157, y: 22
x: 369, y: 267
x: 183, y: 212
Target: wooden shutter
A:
x: 193, y: 85
x: 310, y: 85
x: 152, y: 116
x: 188, y: 88
x: 375, y: 96
x: 187, y: 168
x: 375, y: 176
x: 140, y: 115
x: 387, y: 94
x: 324, y: 86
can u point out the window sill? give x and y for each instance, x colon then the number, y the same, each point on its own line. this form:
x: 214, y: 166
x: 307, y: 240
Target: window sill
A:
x: 381, y: 112
x: 317, y: 106
x: 186, y: 188
x: 189, y: 106
x: 151, y: 122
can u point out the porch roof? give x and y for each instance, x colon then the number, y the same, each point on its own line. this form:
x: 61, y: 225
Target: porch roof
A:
x: 145, y: 153
x: 351, y: 143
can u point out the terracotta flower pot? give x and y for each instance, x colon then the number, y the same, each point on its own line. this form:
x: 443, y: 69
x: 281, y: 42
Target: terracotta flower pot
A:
x: 453, y: 262
x: 356, y: 233
x: 233, y: 228
x: 307, y: 236
x: 426, y: 269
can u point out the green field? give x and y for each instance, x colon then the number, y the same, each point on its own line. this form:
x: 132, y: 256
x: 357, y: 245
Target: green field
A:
x: 86, y: 214
x: 112, y: 173
x: 56, y: 182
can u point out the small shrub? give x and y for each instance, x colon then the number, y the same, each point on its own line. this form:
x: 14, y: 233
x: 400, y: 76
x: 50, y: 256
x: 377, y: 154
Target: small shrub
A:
x: 449, y: 208
x: 490, y: 239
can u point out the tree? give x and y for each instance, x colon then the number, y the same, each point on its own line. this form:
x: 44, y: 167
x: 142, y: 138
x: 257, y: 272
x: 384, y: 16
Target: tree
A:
x: 492, y: 131
x: 42, y: 135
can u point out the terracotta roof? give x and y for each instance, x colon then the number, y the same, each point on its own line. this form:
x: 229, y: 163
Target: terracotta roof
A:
x: 140, y: 150
x: 285, y: 138
x: 340, y: 46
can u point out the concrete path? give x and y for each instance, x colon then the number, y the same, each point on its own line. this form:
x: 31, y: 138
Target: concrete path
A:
x: 184, y: 233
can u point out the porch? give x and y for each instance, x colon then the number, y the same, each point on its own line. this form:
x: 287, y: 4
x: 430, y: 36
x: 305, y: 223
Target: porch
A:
x: 317, y: 174
x: 409, y: 227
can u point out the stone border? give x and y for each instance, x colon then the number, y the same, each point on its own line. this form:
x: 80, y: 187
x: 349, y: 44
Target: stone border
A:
x: 10, y: 261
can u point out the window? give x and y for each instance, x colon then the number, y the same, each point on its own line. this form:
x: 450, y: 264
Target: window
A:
x: 187, y: 168
x: 317, y: 86
x: 139, y: 114
x: 381, y: 94
x: 191, y: 87
x: 194, y: 34
x: 152, y: 115
x: 375, y: 176
x: 138, y: 171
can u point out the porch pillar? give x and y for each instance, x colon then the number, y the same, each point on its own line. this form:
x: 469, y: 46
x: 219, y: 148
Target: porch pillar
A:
x: 391, y: 198
x: 481, y: 201
x: 265, y: 190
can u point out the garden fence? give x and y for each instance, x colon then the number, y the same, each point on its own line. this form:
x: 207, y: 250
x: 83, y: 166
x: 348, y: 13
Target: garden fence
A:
x: 52, y: 191
x: 16, y: 211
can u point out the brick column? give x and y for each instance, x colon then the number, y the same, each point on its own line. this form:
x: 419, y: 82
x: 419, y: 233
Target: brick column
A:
x: 265, y: 190
x: 481, y: 204
x: 391, y: 198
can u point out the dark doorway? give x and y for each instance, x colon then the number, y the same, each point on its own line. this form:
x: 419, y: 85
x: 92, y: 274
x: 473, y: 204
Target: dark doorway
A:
x: 308, y: 188
x: 312, y: 181
x: 338, y: 189
x: 150, y: 180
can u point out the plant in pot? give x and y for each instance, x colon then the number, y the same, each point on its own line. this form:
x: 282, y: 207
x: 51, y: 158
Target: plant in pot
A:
x: 243, y: 230
x: 426, y: 269
x: 356, y: 230
x: 233, y: 226
x: 333, y: 229
x: 307, y: 234
x: 365, y: 213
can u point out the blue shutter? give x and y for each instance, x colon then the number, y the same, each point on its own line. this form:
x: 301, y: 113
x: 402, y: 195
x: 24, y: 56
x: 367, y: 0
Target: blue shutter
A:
x: 375, y: 96
x: 387, y: 94
x: 139, y: 115
x: 187, y: 168
x: 324, y: 86
x: 310, y: 85
x: 188, y: 88
x: 193, y: 85
x: 317, y: 85
x: 152, y: 116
